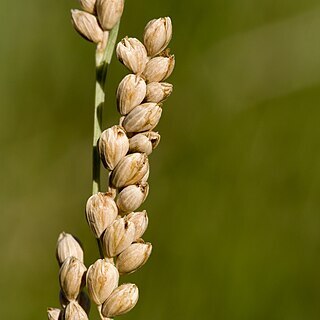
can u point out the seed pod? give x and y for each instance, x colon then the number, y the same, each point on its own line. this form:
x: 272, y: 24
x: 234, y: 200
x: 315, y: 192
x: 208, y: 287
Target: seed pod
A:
x: 131, y: 197
x: 133, y: 54
x: 130, y: 93
x: 113, y: 146
x: 157, y: 35
x: 70, y: 277
x: 121, y: 301
x: 143, y: 118
x: 101, y: 211
x: 109, y: 12
x: 130, y: 170
x: 87, y: 25
x: 102, y: 279
x: 133, y: 258
x: 144, y: 142
x: 88, y: 5
x: 158, y: 91
x: 68, y: 246
x: 140, y: 220
x: 159, y: 69
x: 54, y: 314
x: 75, y: 312
x: 118, y: 237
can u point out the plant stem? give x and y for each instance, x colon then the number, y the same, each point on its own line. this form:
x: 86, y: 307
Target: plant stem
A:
x: 100, y: 314
x: 103, y: 59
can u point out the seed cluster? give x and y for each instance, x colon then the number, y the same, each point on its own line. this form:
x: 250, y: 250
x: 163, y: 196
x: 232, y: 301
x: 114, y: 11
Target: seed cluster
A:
x: 96, y: 19
x: 75, y: 303
x: 124, y: 150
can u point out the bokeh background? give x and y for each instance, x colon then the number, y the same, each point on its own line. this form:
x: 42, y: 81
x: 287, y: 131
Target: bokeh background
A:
x: 234, y: 203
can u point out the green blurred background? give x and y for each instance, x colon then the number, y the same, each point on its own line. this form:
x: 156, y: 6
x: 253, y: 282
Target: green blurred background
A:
x: 234, y: 203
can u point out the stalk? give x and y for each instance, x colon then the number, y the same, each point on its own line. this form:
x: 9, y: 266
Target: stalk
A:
x: 103, y: 60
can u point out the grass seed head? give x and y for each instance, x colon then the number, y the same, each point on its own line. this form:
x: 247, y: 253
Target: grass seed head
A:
x: 157, y: 35
x: 133, y: 258
x: 132, y: 197
x: 131, y: 92
x: 68, y: 246
x: 158, y: 91
x: 122, y: 300
x: 71, y: 277
x: 109, y: 12
x: 74, y: 311
x: 87, y: 25
x: 102, y: 279
x: 140, y: 220
x: 101, y: 211
x: 133, y: 54
x: 88, y: 5
x: 118, y: 237
x: 130, y: 170
x: 159, y: 69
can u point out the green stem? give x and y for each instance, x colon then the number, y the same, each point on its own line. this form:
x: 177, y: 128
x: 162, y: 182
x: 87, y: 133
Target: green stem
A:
x: 103, y: 59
